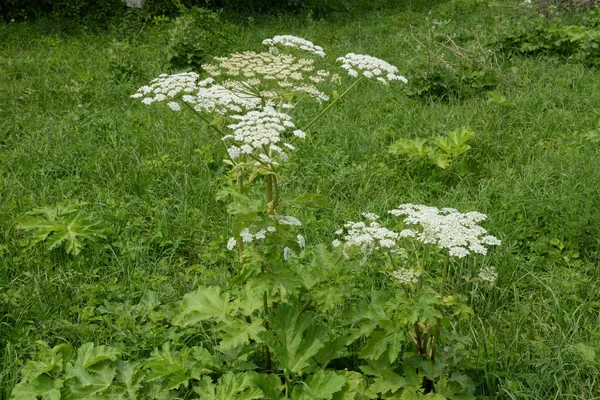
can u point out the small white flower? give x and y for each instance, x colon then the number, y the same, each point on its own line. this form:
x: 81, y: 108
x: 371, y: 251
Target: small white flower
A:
x: 301, y: 241
x: 489, y: 275
x: 287, y: 220
x: 287, y: 253
x: 174, y: 106
x: 336, y: 243
x: 246, y: 236
x: 407, y: 276
x: 370, y: 67
x: 368, y: 237
x: 447, y: 228
x: 370, y: 216
x: 231, y: 243
x: 299, y: 134
x: 295, y: 42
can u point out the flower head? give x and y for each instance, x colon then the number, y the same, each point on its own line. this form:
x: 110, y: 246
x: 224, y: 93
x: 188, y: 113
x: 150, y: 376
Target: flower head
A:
x: 367, y: 236
x: 370, y: 67
x: 447, y: 228
x: 268, y: 75
x: 488, y: 274
x: 167, y: 87
x: 260, y: 133
x: 211, y: 97
x: 407, y: 276
x: 294, y: 42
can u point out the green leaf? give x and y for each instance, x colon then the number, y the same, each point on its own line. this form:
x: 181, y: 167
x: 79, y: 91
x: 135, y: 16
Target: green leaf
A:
x: 89, y: 355
x: 454, y: 143
x: 413, y: 148
x: 242, y: 221
x: 60, y: 226
x: 323, y: 384
x: 229, y: 387
x: 440, y: 159
x: 328, y: 297
x: 239, y: 332
x: 203, y: 304
x: 92, y: 382
x: 355, y: 384
x: 73, y: 230
x: 270, y: 385
x: 49, y: 360
x: 168, y: 366
x: 293, y: 339
x: 386, y: 380
x: 131, y: 377
x: 42, y: 386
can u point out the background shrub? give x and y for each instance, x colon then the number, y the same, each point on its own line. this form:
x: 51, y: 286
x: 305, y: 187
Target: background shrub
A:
x: 69, y: 9
x: 196, y: 36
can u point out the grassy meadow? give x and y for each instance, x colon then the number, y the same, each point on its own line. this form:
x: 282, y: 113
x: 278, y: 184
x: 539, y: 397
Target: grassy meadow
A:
x: 149, y: 178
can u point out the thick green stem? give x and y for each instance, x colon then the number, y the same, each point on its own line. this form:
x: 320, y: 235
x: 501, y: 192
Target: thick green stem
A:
x: 436, y: 334
x: 266, y: 325
x: 269, y: 183
x: 326, y: 109
x: 240, y: 242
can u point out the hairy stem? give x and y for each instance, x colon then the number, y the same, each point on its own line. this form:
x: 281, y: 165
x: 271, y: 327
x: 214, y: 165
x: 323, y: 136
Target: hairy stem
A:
x: 240, y: 242
x: 436, y: 334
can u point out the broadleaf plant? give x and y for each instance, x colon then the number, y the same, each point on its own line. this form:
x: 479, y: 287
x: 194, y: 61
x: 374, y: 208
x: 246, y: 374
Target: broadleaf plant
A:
x: 63, y: 225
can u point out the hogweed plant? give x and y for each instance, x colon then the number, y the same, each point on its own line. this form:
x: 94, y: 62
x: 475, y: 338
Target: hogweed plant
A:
x: 425, y: 261
x: 293, y: 313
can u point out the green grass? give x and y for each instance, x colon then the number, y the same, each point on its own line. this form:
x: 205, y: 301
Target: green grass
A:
x: 68, y: 130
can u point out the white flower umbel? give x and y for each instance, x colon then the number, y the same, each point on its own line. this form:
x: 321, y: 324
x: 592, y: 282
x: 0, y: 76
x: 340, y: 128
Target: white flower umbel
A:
x: 370, y: 67
x: 249, y: 237
x: 167, y: 87
x: 211, y: 97
x: 366, y: 236
x: 447, y: 228
x: 260, y: 133
x: 488, y: 274
x: 407, y: 276
x: 294, y: 42
x: 269, y: 76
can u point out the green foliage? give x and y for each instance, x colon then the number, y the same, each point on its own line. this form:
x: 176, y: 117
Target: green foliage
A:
x: 196, y: 36
x: 539, y: 36
x: 443, y: 82
x: 62, y: 225
x: 64, y: 134
x: 441, y: 151
x: 97, y: 10
x: 452, y: 65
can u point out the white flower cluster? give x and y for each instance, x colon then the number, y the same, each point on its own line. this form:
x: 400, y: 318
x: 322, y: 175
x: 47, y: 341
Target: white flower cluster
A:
x: 447, y: 228
x: 295, y: 42
x: 370, y: 67
x: 249, y: 237
x: 367, y: 237
x: 407, y: 276
x: 287, y: 220
x: 271, y: 73
x: 167, y: 87
x: 211, y: 97
x: 488, y: 274
x: 260, y: 132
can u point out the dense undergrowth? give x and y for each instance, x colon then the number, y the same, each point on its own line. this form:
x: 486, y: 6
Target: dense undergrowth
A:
x: 143, y: 189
